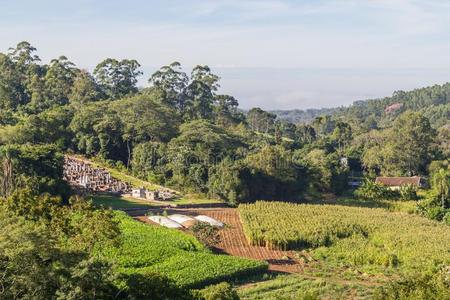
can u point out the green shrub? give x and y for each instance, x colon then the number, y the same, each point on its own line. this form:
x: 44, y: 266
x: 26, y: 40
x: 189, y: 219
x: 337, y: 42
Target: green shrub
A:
x: 408, y: 192
x: 446, y: 218
x: 370, y: 190
x: 221, y: 291
x: 153, y: 286
x: 207, y: 235
x: 420, y: 287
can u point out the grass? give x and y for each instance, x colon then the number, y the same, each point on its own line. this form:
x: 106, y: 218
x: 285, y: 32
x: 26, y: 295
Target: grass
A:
x: 145, y: 248
x: 122, y: 202
x: 118, y: 202
x: 195, y: 199
x: 373, y: 239
x: 299, y: 287
x: 390, y: 205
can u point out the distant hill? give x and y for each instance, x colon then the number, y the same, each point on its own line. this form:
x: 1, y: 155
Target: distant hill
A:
x: 433, y: 101
x: 303, y: 116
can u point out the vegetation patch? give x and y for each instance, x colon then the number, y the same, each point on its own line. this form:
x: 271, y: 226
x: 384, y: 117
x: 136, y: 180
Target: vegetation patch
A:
x: 349, y: 235
x: 150, y: 249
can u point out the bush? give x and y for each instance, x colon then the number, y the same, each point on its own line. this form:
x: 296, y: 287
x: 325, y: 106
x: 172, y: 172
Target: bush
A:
x: 431, y: 209
x: 408, y: 192
x: 370, y: 190
x: 207, y: 235
x: 153, y: 286
x: 423, y: 287
x: 446, y: 218
x: 221, y: 291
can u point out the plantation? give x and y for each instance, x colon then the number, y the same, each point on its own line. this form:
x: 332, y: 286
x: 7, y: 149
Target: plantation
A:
x: 369, y: 237
x: 298, y: 287
x: 150, y: 249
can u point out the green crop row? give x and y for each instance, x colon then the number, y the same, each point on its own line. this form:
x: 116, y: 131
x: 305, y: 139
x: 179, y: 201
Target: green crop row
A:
x: 145, y: 248
x: 355, y: 235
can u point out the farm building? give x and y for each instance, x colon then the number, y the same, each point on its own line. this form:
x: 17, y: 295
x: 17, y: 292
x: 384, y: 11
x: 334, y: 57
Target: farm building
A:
x: 138, y: 193
x: 397, y: 182
x: 143, y: 193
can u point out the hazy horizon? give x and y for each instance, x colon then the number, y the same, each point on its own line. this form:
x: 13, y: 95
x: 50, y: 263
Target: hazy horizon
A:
x: 275, y: 54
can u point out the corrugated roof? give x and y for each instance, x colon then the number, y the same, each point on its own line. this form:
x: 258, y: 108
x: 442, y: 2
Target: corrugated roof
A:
x: 398, y: 181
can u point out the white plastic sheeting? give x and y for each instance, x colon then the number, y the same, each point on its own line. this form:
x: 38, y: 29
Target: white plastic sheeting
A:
x: 180, y: 218
x: 209, y: 220
x: 165, y: 221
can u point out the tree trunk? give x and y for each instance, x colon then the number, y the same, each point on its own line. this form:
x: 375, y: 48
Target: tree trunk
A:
x: 129, y: 154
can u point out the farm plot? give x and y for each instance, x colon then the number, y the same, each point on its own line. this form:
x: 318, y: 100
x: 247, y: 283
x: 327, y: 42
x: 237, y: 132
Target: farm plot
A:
x: 234, y: 242
x: 173, y: 253
x: 354, y: 235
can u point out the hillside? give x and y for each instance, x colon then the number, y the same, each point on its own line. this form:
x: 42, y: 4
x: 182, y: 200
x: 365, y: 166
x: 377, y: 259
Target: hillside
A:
x: 433, y: 101
x: 298, y: 116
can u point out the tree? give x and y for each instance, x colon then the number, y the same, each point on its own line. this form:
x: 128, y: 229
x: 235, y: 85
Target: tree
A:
x: 38, y: 167
x: 98, y: 130
x: 144, y: 119
x: 148, y: 161
x: 59, y: 80
x: 305, y: 134
x: 11, y: 90
x: 441, y: 185
x: 275, y: 174
x: 200, y: 93
x: 48, y: 127
x: 404, y: 149
x: 225, y: 110
x: 323, y: 125
x: 260, y: 120
x: 173, y: 81
x: 37, y: 263
x: 117, y: 78
x: 225, y: 182
x: 342, y: 134
x: 26, y: 67
x: 84, y: 89
x: 200, y: 145
x: 443, y: 140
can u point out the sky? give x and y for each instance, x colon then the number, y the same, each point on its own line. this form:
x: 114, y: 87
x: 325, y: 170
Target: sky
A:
x: 274, y: 54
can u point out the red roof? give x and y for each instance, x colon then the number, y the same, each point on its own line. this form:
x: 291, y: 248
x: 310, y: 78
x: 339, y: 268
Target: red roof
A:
x: 399, y: 181
x: 392, y: 108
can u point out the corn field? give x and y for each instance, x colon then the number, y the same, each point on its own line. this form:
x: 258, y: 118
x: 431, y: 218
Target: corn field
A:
x: 354, y: 234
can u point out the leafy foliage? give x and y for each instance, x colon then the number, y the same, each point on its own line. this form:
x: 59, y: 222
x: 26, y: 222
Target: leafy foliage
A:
x: 207, y: 234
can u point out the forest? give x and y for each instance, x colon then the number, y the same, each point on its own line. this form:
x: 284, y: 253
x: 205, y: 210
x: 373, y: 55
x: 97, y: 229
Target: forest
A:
x: 183, y: 133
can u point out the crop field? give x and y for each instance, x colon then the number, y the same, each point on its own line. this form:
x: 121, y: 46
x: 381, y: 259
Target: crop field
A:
x: 173, y: 253
x: 374, y: 238
x: 296, y: 286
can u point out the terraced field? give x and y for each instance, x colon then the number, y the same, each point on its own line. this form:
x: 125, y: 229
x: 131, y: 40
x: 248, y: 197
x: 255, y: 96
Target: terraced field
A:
x: 173, y: 253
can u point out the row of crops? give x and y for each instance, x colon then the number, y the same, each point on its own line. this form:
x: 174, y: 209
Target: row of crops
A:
x: 173, y: 253
x: 356, y: 235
